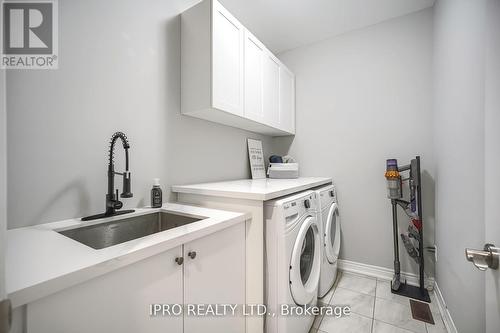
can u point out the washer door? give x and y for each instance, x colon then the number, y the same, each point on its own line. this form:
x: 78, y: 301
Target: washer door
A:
x: 332, y: 234
x: 305, y: 263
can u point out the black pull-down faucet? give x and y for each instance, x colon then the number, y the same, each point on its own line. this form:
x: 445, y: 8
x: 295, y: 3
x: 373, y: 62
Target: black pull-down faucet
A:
x: 112, y: 202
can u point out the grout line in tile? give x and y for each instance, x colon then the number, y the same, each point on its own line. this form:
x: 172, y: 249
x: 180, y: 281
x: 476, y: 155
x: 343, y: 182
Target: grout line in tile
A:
x: 353, y: 290
x: 357, y: 291
x: 359, y: 314
x: 403, y: 328
x: 320, y: 321
x: 374, y: 301
x: 333, y: 289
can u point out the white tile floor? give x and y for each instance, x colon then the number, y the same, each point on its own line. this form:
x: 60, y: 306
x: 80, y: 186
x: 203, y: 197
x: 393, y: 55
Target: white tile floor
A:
x: 374, y: 309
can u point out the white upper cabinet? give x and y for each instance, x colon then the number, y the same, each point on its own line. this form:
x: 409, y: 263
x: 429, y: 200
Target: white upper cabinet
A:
x: 227, y: 63
x: 254, y: 52
x: 228, y: 76
x: 287, y: 100
x: 271, y: 88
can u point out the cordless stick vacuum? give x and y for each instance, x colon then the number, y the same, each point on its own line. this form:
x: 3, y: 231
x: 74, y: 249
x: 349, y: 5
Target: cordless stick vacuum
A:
x: 413, y: 238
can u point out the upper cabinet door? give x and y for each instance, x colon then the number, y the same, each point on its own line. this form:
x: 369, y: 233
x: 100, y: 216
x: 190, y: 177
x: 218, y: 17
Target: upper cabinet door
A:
x: 271, y: 87
x: 227, y: 64
x: 254, y: 52
x: 287, y: 100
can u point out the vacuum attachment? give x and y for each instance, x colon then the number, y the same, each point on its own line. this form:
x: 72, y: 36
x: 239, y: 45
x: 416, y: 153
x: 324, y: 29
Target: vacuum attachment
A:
x: 396, y: 282
x: 413, y: 232
x: 393, y: 179
x: 410, y: 248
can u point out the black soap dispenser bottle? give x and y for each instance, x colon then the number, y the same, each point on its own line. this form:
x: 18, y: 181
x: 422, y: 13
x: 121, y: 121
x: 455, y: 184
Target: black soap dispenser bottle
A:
x: 156, y: 195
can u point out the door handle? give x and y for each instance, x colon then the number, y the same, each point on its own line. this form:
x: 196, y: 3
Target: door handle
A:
x: 487, y: 258
x: 192, y: 254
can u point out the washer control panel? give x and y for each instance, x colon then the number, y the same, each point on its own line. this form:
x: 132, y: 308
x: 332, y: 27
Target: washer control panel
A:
x: 300, y: 206
x: 327, y: 196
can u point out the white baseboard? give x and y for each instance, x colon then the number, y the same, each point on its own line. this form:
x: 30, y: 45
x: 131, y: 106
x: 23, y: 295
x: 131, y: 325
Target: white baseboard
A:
x: 380, y: 272
x: 412, y: 279
x: 443, y: 309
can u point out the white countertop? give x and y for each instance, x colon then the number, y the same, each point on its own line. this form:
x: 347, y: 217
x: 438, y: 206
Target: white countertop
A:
x: 40, y: 261
x: 253, y: 189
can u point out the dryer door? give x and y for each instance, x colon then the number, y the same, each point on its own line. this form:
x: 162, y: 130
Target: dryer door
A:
x: 305, y: 263
x: 332, y: 234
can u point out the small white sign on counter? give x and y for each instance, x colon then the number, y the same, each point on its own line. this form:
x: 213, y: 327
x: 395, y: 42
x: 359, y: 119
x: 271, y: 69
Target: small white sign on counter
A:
x: 256, y: 156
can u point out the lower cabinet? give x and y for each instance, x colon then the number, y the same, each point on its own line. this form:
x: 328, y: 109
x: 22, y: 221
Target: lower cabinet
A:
x: 216, y: 275
x: 209, y: 270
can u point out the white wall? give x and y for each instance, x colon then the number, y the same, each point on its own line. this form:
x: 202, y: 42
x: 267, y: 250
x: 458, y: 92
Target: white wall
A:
x: 459, y: 140
x: 3, y: 180
x: 492, y: 160
x: 119, y: 69
x: 363, y: 97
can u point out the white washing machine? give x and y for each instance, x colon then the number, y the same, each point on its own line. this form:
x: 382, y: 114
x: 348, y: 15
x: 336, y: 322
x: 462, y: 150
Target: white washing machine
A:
x: 293, y: 257
x: 328, y: 215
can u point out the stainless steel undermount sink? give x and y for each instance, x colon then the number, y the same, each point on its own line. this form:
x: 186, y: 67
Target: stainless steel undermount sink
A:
x: 102, y: 235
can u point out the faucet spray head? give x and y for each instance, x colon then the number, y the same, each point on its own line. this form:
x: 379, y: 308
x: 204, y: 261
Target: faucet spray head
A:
x: 126, y: 186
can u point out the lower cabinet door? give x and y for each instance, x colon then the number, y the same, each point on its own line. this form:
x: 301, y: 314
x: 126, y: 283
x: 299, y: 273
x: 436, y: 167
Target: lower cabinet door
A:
x: 214, y: 273
x: 115, y: 302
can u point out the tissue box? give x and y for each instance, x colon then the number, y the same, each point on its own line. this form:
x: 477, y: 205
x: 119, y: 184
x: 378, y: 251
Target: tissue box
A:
x: 283, y: 170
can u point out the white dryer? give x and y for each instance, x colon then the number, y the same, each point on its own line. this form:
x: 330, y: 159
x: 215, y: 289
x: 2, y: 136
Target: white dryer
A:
x: 293, y: 257
x: 328, y: 214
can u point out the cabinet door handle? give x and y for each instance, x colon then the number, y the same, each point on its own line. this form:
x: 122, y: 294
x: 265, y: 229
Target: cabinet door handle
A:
x: 179, y: 260
x: 192, y: 254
